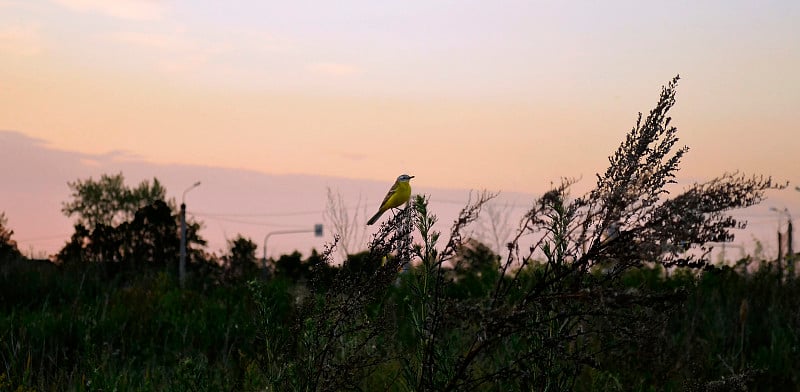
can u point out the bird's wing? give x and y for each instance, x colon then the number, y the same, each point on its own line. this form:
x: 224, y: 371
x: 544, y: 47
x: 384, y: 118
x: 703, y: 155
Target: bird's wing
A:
x: 391, y: 192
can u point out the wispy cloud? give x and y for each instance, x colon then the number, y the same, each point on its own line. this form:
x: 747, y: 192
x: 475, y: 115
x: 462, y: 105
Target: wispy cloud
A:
x: 21, y: 40
x: 109, y: 158
x: 353, y: 156
x: 9, y: 4
x: 173, y: 52
x: 160, y: 41
x: 332, y: 69
x: 119, y: 156
x: 123, y: 9
x: 90, y: 162
x: 178, y: 50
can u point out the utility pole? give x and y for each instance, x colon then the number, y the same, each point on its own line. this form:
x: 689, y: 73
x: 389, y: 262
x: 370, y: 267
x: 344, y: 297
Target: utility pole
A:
x: 780, y: 254
x: 790, y: 233
x: 182, y: 264
x: 780, y: 242
x: 789, y: 247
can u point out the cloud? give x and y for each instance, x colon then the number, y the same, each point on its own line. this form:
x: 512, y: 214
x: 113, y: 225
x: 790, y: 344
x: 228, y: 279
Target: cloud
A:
x: 332, y: 69
x: 171, y: 52
x: 168, y: 42
x: 353, y: 156
x: 123, y: 9
x: 21, y: 40
x: 10, y: 4
x: 90, y: 162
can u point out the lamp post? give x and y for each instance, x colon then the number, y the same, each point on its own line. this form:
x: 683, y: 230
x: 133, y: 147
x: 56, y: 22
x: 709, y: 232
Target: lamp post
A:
x: 182, y: 265
x: 790, y: 233
x: 789, y: 238
x: 317, y: 230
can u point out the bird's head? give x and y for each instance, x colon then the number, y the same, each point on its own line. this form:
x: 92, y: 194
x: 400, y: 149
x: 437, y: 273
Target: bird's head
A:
x: 404, y: 178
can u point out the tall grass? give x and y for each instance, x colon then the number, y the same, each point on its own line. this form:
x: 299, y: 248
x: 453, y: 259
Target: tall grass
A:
x: 72, y: 330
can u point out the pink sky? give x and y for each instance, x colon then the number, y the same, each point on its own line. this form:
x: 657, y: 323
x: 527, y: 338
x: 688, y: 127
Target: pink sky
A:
x: 464, y: 95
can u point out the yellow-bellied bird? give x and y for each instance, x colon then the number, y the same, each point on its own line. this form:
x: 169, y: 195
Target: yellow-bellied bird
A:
x: 397, y: 196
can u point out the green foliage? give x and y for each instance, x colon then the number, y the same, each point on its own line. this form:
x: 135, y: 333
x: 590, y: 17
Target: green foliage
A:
x: 71, y: 329
x: 89, y: 333
x: 109, y: 201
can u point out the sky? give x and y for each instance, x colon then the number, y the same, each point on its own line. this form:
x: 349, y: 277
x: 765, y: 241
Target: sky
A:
x: 505, y: 96
x: 228, y: 202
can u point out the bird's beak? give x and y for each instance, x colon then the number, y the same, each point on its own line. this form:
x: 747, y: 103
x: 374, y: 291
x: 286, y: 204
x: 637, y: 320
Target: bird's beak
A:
x: 410, y: 176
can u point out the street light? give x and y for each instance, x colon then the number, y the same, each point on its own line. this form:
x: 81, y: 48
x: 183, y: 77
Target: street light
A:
x: 317, y: 230
x: 183, y: 197
x: 789, y: 238
x: 784, y: 211
x: 182, y: 265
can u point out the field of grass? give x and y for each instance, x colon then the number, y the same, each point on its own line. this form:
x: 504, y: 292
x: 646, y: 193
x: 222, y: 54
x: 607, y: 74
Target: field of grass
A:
x: 77, y: 329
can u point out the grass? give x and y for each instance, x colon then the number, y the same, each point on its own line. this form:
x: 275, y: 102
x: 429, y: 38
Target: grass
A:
x: 74, y: 330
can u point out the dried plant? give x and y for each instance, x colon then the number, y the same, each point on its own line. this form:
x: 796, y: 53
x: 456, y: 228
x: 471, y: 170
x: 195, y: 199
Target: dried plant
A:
x: 553, y: 309
x: 348, y: 226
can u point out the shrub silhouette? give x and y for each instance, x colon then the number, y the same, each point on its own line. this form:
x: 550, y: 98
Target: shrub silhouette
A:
x: 552, y: 310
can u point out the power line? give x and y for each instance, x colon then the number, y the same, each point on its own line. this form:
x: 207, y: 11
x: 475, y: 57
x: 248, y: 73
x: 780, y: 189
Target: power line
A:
x: 313, y: 212
x: 246, y: 222
x: 257, y: 214
x: 44, y: 238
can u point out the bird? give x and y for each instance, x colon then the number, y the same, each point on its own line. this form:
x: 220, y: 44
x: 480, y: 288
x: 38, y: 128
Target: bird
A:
x: 397, y: 196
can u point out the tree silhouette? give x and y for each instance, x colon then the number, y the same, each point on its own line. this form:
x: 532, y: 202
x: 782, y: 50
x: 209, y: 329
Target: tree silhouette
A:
x: 292, y: 266
x: 241, y: 263
x: 8, y: 247
x: 109, y: 201
x: 150, y: 237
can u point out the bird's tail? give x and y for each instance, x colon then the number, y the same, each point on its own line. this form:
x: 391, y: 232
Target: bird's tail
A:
x: 375, y: 217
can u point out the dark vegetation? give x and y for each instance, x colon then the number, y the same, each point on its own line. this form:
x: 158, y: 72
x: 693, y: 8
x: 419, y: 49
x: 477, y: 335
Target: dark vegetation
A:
x: 615, y: 292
